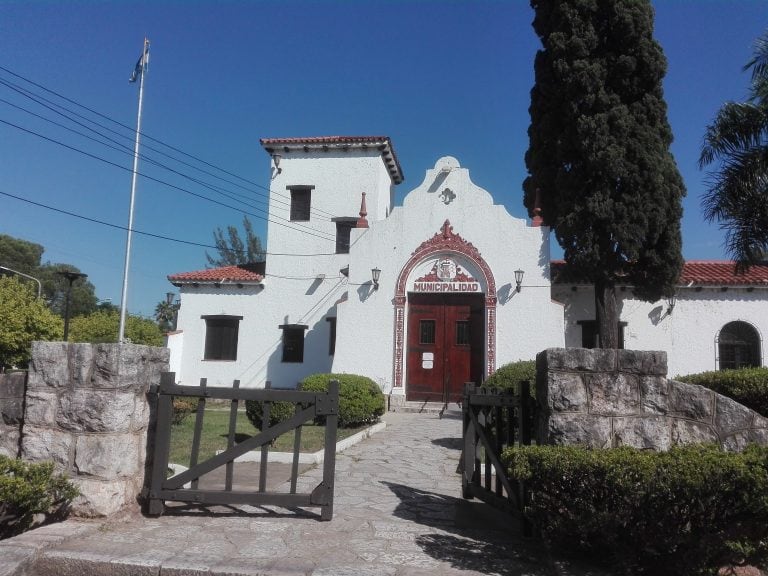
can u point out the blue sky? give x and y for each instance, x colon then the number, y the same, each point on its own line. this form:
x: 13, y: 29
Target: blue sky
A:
x: 439, y: 78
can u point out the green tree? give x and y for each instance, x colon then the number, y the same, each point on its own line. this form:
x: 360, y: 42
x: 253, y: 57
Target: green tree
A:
x: 55, y: 286
x: 23, y: 318
x: 103, y: 325
x: 736, y: 143
x: 232, y: 251
x: 165, y: 314
x: 19, y: 254
x: 599, y: 160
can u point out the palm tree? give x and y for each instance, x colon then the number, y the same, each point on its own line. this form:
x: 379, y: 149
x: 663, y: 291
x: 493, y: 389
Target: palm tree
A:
x: 165, y: 315
x: 737, y: 143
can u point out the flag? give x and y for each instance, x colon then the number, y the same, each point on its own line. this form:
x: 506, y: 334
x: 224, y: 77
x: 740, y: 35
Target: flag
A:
x: 141, y: 65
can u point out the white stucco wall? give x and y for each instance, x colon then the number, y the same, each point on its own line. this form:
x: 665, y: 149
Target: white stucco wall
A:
x: 259, y: 355
x: 688, y: 334
x: 526, y: 322
x: 304, y: 283
x: 339, y: 179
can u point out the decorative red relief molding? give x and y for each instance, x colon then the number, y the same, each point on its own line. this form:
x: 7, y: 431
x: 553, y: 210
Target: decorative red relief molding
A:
x: 446, y: 240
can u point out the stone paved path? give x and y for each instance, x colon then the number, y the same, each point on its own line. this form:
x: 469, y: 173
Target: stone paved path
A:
x: 398, y: 512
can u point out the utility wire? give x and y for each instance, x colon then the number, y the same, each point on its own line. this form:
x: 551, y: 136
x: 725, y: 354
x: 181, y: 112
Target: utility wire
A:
x: 317, y: 234
x: 128, y: 151
x: 143, y: 233
x: 147, y: 136
x: 54, y: 107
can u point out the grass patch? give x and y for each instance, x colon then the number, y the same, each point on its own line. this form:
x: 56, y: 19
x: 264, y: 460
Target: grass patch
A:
x: 216, y: 431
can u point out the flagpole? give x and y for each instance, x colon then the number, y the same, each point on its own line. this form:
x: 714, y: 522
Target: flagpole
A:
x: 124, y: 297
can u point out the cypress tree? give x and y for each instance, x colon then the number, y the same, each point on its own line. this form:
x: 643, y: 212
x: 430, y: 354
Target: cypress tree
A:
x: 599, y: 159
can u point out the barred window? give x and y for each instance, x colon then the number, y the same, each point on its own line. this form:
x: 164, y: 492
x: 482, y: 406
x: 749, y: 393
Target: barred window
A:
x: 301, y: 202
x: 221, y: 333
x: 293, y: 342
x: 738, y: 346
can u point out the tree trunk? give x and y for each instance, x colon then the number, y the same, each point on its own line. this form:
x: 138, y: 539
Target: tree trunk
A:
x: 607, y: 317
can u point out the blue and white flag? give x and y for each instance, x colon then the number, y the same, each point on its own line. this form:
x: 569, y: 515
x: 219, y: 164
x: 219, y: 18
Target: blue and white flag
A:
x: 141, y: 65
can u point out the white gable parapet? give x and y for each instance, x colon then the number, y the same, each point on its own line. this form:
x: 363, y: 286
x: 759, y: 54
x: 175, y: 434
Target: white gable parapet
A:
x: 446, y: 217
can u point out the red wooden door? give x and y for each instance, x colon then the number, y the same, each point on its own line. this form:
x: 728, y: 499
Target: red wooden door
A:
x: 445, y: 345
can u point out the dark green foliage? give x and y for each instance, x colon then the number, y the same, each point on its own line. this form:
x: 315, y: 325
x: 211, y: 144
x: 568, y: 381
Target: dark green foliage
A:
x: 686, y: 511
x: 510, y: 375
x: 278, y: 412
x: 19, y: 254
x: 83, y: 298
x: 27, y: 490
x: 360, y: 399
x: 24, y: 257
x: 599, y: 156
x: 748, y: 386
x: 736, y: 144
x: 233, y: 251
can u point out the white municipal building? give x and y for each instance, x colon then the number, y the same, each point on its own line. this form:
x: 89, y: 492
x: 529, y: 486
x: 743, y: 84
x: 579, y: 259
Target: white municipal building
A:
x: 425, y: 296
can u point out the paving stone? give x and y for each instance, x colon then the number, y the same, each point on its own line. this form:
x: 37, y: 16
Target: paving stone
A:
x: 395, y: 514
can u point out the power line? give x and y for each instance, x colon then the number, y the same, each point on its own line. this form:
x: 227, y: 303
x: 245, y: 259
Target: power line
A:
x: 124, y: 147
x: 144, y: 233
x: 133, y: 131
x: 317, y: 234
x: 126, y: 150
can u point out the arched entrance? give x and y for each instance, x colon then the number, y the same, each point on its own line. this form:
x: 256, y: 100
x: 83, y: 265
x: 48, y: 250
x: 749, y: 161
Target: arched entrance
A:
x: 449, y: 335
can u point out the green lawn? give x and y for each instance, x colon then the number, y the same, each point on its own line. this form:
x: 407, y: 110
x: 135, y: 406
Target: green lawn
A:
x: 216, y: 430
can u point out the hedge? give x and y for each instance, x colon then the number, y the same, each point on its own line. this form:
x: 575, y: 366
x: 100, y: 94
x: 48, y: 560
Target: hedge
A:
x: 686, y: 511
x: 278, y: 412
x: 748, y: 386
x: 30, y: 495
x: 361, y: 401
x: 510, y: 375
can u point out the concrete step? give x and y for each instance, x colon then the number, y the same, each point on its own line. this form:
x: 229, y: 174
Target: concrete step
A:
x: 453, y: 410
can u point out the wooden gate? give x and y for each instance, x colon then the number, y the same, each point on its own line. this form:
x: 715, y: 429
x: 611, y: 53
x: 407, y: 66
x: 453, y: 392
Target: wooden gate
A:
x: 493, y: 420
x: 308, y: 405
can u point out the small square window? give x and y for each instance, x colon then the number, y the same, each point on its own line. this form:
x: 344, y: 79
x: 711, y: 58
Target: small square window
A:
x: 426, y: 331
x: 221, y: 333
x: 301, y: 201
x: 343, y: 232
x: 293, y: 343
x: 590, y: 338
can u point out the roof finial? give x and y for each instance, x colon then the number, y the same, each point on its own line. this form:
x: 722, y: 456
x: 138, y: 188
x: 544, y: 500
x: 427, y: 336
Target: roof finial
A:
x: 362, y: 222
x: 537, y: 219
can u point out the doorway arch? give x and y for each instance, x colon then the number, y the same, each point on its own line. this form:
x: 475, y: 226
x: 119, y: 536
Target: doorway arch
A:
x: 445, y: 241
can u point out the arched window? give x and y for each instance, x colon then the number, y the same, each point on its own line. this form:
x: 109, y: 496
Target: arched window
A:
x: 738, y: 346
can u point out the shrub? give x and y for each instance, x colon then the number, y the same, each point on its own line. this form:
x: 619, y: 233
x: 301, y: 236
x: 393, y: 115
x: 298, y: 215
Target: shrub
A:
x: 508, y: 376
x: 361, y: 401
x: 686, y: 511
x: 278, y: 412
x: 30, y: 494
x: 182, y: 407
x: 748, y: 386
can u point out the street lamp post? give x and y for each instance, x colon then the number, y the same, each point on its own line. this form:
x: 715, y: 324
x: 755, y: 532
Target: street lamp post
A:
x: 71, y: 277
x: 39, y: 285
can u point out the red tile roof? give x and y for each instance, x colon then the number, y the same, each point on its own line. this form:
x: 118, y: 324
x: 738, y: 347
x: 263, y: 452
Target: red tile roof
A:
x: 695, y: 272
x: 722, y: 272
x: 245, y: 273
x: 381, y: 143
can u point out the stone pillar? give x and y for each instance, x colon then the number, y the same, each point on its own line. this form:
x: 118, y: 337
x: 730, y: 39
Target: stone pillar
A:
x: 11, y: 412
x: 608, y: 398
x: 87, y: 411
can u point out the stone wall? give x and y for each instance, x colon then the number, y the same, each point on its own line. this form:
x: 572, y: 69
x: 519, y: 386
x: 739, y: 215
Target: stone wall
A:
x: 87, y: 410
x: 11, y: 412
x: 608, y: 398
